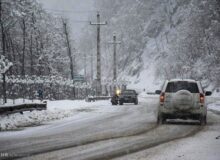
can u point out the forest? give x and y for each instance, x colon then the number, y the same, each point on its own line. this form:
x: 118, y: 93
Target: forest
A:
x: 161, y: 40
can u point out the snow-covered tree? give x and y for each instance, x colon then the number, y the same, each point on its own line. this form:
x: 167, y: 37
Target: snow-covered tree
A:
x: 167, y: 35
x: 5, y: 65
x: 32, y: 39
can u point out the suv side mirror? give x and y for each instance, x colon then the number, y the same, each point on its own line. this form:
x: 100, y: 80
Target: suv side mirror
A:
x: 157, y: 91
x: 208, y: 93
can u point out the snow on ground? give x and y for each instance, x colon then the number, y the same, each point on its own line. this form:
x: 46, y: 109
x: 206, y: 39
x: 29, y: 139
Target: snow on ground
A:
x: 146, y: 81
x: 214, y: 101
x: 203, y: 146
x: 215, y: 106
x: 216, y: 92
x: 55, y: 110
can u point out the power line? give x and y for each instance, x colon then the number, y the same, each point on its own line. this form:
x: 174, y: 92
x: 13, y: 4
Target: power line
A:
x: 79, y: 21
x: 76, y: 11
x: 70, y: 11
x: 60, y: 16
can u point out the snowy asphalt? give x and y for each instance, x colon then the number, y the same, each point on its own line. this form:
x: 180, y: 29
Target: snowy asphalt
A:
x: 120, y: 133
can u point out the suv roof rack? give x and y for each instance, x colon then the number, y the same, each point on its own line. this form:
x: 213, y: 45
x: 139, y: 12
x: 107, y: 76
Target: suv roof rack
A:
x: 189, y: 80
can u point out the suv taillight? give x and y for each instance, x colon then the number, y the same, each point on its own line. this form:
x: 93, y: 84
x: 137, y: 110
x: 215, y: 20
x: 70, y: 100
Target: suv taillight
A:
x: 162, y: 97
x: 202, y: 98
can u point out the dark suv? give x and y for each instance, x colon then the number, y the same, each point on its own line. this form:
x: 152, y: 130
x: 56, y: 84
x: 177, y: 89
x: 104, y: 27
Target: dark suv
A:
x: 128, y: 96
x: 182, y: 98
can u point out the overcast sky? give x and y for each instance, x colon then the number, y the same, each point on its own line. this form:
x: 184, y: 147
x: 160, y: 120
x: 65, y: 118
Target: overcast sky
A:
x: 76, y: 11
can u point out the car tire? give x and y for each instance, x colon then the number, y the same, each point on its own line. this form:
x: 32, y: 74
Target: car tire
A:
x: 203, y: 120
x: 121, y: 103
x: 136, y: 102
x: 160, y: 119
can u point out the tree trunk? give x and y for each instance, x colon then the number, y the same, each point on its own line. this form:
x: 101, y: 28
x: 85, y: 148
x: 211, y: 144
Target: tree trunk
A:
x: 69, y: 50
x: 70, y: 55
x: 4, y: 88
x: 23, y: 54
x: 14, y: 71
x: 2, y: 30
x: 31, y: 56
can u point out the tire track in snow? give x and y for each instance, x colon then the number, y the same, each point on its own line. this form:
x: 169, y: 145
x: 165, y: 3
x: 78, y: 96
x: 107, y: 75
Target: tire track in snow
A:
x: 45, y: 146
x: 113, y: 148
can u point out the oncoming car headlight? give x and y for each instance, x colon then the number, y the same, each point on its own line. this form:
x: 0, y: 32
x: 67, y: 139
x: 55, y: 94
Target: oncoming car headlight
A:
x: 118, y: 92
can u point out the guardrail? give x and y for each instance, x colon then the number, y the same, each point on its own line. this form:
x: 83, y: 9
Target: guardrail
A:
x: 20, y: 108
x: 96, y: 98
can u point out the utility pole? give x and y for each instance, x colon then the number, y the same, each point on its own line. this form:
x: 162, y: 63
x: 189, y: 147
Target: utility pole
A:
x: 115, y: 42
x: 98, y: 24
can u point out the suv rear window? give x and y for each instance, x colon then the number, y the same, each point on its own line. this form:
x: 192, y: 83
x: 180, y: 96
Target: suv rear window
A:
x: 182, y: 85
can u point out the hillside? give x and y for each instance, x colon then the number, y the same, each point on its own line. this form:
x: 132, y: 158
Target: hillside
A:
x: 162, y: 40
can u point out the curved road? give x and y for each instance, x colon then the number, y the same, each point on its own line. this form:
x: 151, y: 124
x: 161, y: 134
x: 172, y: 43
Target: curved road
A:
x: 129, y: 129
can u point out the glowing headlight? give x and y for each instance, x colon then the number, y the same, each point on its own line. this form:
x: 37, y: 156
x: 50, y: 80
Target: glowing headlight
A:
x: 118, y: 92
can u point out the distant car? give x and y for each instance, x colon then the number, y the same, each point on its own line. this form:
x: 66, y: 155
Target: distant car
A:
x: 128, y: 96
x: 184, y: 99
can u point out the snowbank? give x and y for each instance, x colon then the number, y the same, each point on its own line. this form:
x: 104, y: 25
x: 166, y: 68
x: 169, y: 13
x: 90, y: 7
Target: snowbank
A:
x: 216, y: 93
x: 215, y: 106
x: 55, y: 110
x: 203, y: 146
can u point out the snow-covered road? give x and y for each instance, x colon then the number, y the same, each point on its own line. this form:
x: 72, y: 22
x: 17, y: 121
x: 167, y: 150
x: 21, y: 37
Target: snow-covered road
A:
x: 121, y: 132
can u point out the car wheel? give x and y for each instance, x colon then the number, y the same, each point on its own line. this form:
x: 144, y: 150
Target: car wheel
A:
x: 135, y: 102
x: 121, y: 103
x: 203, y: 120
x: 160, y: 119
